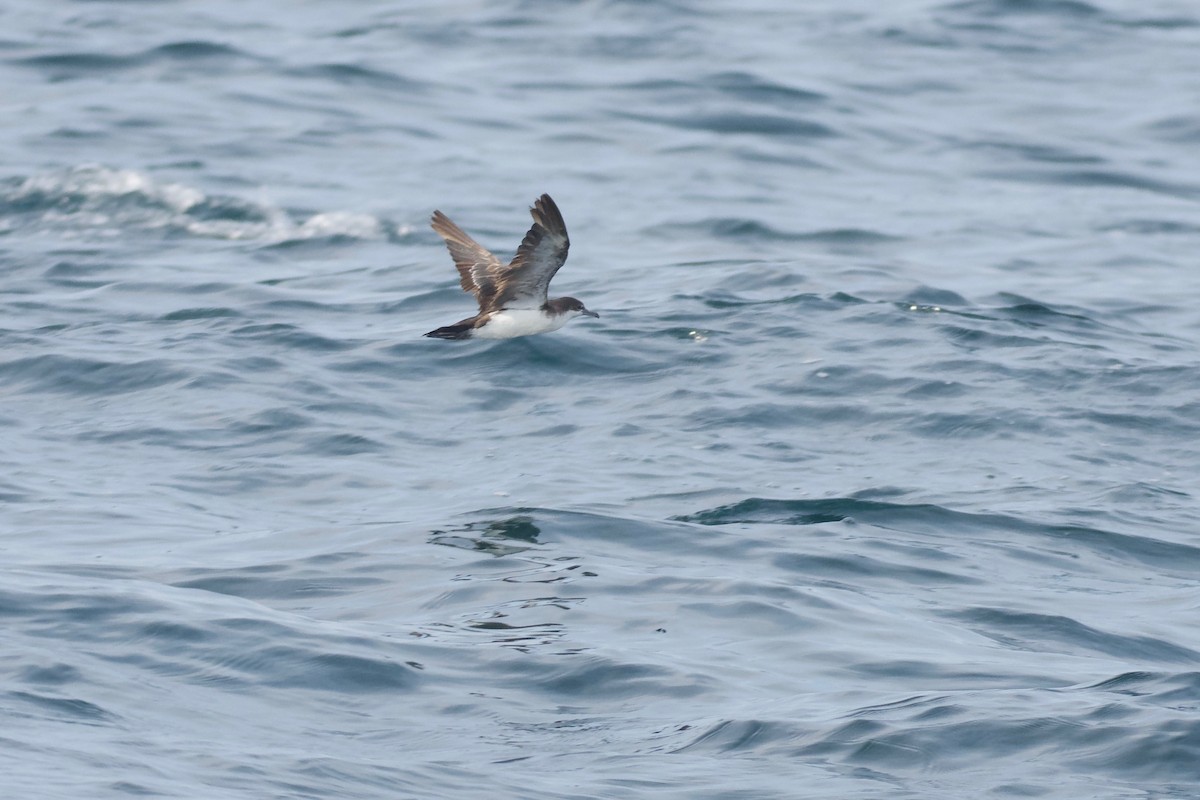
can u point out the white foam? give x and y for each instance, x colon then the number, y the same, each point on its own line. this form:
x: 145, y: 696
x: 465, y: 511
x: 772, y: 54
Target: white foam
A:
x: 98, y: 200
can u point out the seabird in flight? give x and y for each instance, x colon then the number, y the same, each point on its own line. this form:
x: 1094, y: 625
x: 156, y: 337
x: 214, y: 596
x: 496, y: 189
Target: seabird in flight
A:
x: 512, y: 299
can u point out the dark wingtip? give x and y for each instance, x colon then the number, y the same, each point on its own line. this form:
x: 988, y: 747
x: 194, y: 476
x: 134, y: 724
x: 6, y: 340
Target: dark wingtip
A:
x: 545, y: 213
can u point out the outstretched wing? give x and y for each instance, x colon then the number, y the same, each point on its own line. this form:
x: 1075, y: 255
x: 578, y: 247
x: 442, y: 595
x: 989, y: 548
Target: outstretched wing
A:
x: 542, y: 252
x: 477, y: 267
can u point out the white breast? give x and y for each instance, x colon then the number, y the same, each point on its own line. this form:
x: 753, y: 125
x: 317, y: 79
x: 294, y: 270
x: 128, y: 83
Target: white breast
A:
x: 514, y: 322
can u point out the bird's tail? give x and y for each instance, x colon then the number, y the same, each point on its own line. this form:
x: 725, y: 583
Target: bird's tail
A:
x: 460, y: 330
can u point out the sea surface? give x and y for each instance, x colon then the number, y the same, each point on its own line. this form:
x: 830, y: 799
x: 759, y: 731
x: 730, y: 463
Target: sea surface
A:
x: 876, y: 478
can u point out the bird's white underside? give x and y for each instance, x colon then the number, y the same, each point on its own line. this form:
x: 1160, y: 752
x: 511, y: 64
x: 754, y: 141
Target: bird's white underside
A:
x: 513, y: 322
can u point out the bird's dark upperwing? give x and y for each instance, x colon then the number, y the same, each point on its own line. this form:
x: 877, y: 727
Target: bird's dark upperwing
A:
x: 477, y: 267
x: 542, y: 252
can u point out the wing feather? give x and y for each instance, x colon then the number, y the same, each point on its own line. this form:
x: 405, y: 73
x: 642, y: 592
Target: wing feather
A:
x: 477, y: 267
x: 543, y: 251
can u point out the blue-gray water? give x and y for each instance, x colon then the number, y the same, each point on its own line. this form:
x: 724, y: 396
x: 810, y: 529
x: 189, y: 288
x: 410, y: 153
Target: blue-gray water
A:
x: 876, y: 478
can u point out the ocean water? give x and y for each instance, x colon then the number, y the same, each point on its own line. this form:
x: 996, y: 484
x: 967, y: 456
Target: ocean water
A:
x: 876, y: 478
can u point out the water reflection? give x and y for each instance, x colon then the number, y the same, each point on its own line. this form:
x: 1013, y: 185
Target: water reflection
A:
x: 497, y: 537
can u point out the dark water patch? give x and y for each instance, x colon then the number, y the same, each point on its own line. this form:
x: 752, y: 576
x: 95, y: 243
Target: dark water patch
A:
x: 1093, y: 179
x: 1040, y: 632
x: 60, y: 66
x: 1164, y: 23
x: 357, y: 75
x: 200, y: 643
x: 905, y: 748
x: 931, y: 296
x: 1036, y: 152
x: 309, y: 243
x: 734, y: 736
x: 253, y: 584
x: 157, y: 436
x: 229, y: 209
x: 937, y: 390
x: 276, y: 420
x: 1067, y: 9
x: 788, y: 512
x: 555, y: 431
x: 729, y: 228
x: 1152, y: 227
x: 1172, y: 557
x: 291, y: 336
x: 67, y: 375
x: 80, y: 274
x: 745, y: 124
x: 355, y: 407
x: 749, y: 86
x: 846, y: 299
x: 131, y: 789
x: 295, y: 667
x: 53, y: 675
x: 1033, y: 312
x: 677, y: 334
x: 251, y: 365
x: 915, y: 36
x: 1177, y: 691
x: 740, y: 86
x: 983, y: 425
x: 755, y: 616
x: 1168, y: 751
x: 65, y: 708
x: 178, y: 632
x: 540, y: 360
x: 10, y: 493
x: 343, y: 444
x: 1182, y: 128
x: 593, y: 678
x: 851, y: 569
x: 196, y: 50
x: 979, y: 326
x: 523, y: 638
x: 752, y: 230
x: 437, y: 300
x: 846, y: 237
x: 247, y: 476
x: 839, y: 381
x: 211, y: 312
x: 497, y: 537
x: 781, y: 416
x: 1145, y: 424
x: 70, y: 66
x: 621, y: 47
x: 1137, y: 494
x: 289, y: 306
x: 807, y: 301
x: 974, y: 339
x: 77, y: 134
x: 552, y: 525
x: 51, y: 612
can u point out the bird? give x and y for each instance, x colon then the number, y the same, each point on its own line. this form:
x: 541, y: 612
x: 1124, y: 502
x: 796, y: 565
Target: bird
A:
x: 512, y: 299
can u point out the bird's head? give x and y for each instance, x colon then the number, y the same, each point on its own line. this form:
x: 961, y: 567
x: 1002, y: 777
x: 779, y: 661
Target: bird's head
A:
x: 569, y: 305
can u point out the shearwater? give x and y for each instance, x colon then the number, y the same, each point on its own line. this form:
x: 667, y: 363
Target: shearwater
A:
x: 512, y: 299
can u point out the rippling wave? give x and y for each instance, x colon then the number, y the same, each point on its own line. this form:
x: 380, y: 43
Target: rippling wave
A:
x: 109, y: 201
x: 874, y: 478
